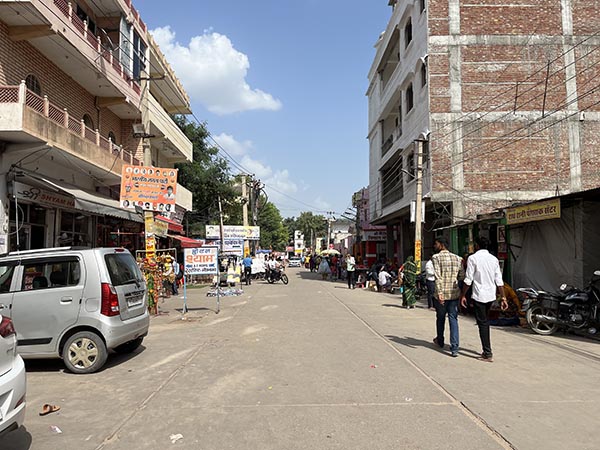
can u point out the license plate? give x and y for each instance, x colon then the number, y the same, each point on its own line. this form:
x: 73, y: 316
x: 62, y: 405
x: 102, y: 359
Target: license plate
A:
x: 135, y: 301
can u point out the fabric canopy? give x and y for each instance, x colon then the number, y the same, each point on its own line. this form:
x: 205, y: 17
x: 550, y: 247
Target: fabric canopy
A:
x: 90, y: 202
x: 187, y: 242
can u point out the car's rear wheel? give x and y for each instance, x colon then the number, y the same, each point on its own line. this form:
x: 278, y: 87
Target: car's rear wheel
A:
x: 84, y: 352
x: 129, y: 347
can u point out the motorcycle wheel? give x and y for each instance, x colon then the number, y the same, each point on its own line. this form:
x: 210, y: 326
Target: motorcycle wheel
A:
x: 539, y: 327
x: 284, y: 278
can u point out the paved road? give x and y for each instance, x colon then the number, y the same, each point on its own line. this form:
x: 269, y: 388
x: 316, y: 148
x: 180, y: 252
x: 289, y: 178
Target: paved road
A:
x: 313, y: 365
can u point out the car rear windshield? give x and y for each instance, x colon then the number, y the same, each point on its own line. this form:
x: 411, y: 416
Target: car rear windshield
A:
x: 122, y: 269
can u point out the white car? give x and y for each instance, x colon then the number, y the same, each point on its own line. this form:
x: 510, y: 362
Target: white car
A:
x: 295, y: 262
x: 12, y: 379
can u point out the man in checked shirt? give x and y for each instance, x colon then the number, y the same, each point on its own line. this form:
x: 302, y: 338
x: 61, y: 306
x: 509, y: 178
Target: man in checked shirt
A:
x: 448, y: 271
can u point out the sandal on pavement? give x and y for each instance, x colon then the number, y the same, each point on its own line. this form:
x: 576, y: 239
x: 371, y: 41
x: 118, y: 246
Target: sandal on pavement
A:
x: 47, y: 409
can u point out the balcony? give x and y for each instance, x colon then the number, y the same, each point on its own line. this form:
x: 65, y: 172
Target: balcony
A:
x: 25, y: 117
x: 174, y: 144
x: 58, y: 33
x: 184, y: 198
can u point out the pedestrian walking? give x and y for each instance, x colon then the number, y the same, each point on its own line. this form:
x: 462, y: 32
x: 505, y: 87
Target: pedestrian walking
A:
x: 448, y: 271
x: 430, y: 282
x: 247, y: 263
x: 177, y: 272
x: 484, y: 275
x: 351, y: 271
x: 409, y: 282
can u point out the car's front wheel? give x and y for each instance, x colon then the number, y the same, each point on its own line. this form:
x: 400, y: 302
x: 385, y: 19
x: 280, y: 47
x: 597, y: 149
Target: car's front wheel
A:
x: 84, y: 352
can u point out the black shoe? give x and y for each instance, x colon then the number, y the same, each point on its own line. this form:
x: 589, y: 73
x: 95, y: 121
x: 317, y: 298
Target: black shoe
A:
x: 437, y: 342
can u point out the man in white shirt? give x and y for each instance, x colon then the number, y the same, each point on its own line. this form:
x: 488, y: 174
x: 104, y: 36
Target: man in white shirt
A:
x: 385, y: 280
x: 430, y: 282
x: 483, y: 273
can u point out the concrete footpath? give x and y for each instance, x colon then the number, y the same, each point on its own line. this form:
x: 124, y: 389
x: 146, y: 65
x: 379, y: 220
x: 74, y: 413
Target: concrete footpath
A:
x: 313, y: 365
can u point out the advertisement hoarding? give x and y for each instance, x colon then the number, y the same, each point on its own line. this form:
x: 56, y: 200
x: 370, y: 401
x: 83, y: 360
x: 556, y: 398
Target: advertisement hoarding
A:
x: 200, y: 261
x: 233, y: 232
x: 150, y: 188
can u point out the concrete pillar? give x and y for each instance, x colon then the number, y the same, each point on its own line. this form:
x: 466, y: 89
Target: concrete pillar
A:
x: 389, y: 242
x: 4, y: 206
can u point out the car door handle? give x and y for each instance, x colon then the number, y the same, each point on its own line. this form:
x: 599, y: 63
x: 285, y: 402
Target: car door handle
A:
x: 65, y: 300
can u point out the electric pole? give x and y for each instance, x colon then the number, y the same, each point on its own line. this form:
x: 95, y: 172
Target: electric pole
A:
x: 419, y: 198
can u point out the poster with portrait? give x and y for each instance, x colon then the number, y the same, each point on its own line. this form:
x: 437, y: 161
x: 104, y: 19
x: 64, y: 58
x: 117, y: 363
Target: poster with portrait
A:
x: 150, y: 188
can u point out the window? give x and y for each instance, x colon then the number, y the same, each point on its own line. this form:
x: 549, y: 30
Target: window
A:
x: 422, y: 5
x: 410, y: 166
x: 51, y: 273
x: 423, y: 75
x: 33, y: 84
x: 74, y: 229
x: 139, y: 56
x: 408, y: 33
x: 112, y: 137
x: 409, y: 97
x: 87, y: 120
x: 391, y: 184
x: 123, y: 269
x: 83, y: 16
x: 7, y: 271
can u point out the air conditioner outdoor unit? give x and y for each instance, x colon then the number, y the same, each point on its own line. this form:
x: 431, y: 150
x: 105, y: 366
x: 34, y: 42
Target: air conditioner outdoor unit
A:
x: 138, y: 129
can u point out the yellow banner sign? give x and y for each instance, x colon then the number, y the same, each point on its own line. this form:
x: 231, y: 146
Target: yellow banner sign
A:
x: 549, y: 209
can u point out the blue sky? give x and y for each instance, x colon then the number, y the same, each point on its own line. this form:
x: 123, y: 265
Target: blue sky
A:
x: 281, y: 86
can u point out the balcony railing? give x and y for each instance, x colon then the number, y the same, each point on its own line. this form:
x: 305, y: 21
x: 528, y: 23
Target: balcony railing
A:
x: 81, y: 26
x: 385, y: 147
x: 41, y: 105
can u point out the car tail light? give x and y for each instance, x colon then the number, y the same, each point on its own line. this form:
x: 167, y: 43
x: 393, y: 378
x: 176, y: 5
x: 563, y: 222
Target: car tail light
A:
x: 6, y: 327
x: 110, y: 301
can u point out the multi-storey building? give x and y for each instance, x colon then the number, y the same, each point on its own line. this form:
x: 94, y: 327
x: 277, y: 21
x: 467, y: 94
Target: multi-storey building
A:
x: 506, y: 96
x: 83, y: 91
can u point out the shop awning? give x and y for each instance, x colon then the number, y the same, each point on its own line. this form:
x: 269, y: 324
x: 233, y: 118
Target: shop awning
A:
x: 87, y: 201
x: 173, y: 226
x: 187, y: 242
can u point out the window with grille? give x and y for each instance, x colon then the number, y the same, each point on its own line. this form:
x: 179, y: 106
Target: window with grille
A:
x: 33, y: 84
x: 87, y: 120
x: 408, y: 33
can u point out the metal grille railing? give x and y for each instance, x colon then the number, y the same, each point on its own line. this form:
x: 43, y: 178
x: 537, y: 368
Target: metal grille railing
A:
x: 63, y: 6
x: 90, y: 134
x: 136, y: 88
x: 34, y: 101
x: 104, y: 143
x: 56, y: 114
x: 78, y: 23
x: 75, y: 125
x: 92, y: 39
x: 9, y: 94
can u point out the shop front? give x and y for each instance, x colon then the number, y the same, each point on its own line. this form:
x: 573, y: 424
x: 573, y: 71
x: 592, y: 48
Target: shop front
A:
x: 46, y: 213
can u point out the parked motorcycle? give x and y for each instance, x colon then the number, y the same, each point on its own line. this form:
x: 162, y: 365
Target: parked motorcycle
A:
x: 276, y: 275
x: 572, y: 309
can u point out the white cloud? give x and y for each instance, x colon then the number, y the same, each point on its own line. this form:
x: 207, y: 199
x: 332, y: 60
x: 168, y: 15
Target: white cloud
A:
x: 213, y: 72
x: 277, y: 179
x: 321, y: 204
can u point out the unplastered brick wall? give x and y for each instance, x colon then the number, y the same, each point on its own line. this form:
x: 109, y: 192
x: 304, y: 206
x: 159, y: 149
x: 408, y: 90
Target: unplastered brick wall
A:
x: 505, y: 102
x: 516, y: 17
x: 19, y: 59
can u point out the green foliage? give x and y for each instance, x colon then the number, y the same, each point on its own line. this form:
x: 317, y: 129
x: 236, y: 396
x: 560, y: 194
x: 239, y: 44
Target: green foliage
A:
x: 273, y: 234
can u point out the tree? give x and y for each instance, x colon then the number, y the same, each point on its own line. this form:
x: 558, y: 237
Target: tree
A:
x: 273, y: 234
x: 311, y: 226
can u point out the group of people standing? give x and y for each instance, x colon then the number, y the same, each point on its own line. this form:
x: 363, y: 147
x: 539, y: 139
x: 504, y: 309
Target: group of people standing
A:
x: 336, y: 267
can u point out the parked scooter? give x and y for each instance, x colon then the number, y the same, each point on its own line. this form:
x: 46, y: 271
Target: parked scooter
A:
x: 572, y: 309
x: 276, y: 275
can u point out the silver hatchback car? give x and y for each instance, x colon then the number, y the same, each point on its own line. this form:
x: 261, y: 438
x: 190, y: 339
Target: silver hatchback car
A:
x: 74, y: 303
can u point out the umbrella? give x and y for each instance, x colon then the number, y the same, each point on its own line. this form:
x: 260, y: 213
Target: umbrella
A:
x: 330, y: 251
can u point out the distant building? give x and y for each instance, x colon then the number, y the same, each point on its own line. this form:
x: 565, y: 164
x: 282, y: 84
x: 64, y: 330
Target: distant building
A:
x: 508, y: 105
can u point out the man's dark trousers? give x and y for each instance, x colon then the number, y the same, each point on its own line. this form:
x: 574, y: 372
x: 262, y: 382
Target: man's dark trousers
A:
x: 248, y: 274
x: 481, y: 315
